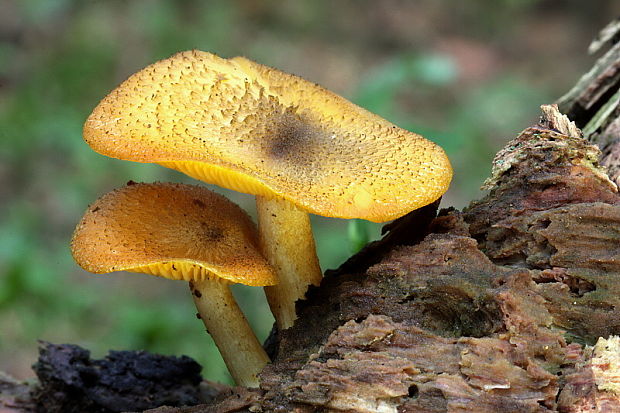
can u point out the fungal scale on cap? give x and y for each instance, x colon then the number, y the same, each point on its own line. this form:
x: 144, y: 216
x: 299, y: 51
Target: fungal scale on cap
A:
x: 175, y: 231
x: 254, y: 129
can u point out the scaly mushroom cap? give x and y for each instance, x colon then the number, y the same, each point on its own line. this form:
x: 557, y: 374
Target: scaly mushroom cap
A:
x: 254, y: 129
x: 175, y: 231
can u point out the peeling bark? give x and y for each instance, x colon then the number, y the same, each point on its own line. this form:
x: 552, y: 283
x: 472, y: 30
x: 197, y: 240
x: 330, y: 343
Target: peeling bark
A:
x: 594, y: 102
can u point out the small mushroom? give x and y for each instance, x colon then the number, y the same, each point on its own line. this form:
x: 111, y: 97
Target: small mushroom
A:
x: 296, y: 146
x: 188, y: 233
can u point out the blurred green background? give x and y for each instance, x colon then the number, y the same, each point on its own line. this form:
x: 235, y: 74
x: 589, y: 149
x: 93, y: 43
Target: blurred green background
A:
x: 468, y: 75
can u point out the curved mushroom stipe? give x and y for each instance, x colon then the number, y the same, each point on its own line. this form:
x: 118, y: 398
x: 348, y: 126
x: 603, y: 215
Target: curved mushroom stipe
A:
x: 239, y: 347
x: 189, y: 233
x: 288, y: 244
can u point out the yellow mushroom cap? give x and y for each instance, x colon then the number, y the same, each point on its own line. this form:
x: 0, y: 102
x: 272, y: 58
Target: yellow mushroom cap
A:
x: 254, y: 129
x: 175, y: 231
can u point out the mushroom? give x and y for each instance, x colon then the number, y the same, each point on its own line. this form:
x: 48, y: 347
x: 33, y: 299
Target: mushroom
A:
x: 188, y: 233
x: 296, y: 146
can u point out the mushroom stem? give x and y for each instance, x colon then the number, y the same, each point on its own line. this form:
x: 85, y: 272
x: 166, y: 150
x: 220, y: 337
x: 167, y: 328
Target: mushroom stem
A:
x: 242, y: 352
x: 287, y: 243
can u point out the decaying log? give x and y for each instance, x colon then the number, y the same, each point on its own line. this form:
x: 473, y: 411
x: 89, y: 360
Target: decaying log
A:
x: 494, y: 310
x: 70, y: 381
x: 488, y: 313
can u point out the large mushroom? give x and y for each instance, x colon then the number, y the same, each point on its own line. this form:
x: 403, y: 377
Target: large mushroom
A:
x: 296, y: 146
x: 189, y: 233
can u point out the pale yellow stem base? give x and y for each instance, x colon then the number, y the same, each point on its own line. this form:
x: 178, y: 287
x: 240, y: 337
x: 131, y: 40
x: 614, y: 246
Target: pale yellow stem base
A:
x: 242, y: 352
x: 288, y: 244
